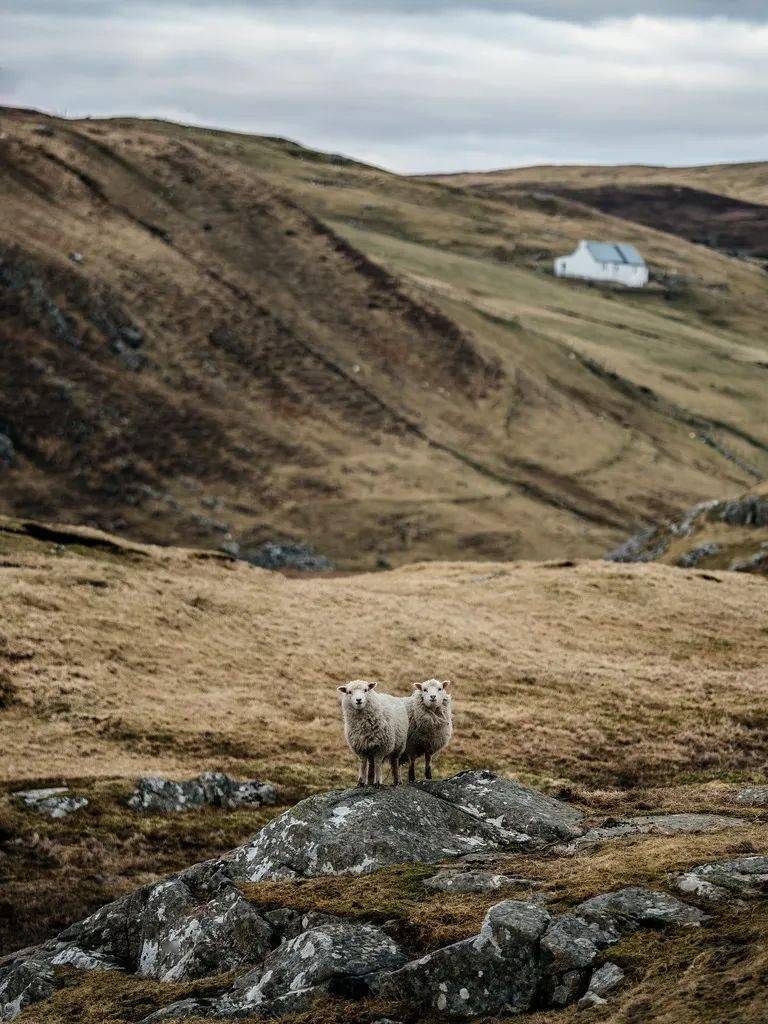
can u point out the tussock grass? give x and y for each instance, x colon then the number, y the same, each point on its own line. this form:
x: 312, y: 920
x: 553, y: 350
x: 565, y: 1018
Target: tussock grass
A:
x: 710, y: 975
x: 426, y: 920
x: 637, y: 860
x: 394, y: 897
x: 111, y: 997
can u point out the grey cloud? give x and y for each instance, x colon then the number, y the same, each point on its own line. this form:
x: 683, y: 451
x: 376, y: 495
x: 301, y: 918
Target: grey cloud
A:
x: 564, y: 10
x: 469, y: 89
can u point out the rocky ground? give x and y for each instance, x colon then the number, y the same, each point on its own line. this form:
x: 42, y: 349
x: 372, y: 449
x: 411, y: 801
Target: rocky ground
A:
x: 241, y: 936
x: 727, y: 534
x: 614, y: 853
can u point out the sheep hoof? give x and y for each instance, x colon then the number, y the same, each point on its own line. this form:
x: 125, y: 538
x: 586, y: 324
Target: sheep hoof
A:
x: 361, y: 785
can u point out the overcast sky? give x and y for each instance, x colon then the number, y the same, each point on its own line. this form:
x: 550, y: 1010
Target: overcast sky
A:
x: 424, y: 85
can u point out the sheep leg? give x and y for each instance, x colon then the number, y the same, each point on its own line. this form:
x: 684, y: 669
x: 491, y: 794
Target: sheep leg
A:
x: 361, y: 771
x: 377, y: 781
x: 412, y: 769
x: 394, y: 760
x: 427, y: 766
x: 371, y: 771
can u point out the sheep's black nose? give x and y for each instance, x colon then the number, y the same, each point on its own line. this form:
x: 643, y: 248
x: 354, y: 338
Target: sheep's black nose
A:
x: 358, y: 700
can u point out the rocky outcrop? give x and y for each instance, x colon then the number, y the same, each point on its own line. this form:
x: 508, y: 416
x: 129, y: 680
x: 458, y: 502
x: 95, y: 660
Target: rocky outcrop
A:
x: 200, y: 924
x: 330, y: 959
x: 745, y: 878
x: 524, y: 956
x: 629, y: 909
x: 358, y: 831
x: 162, y: 796
x: 495, y: 972
x: 730, y: 534
x: 287, y: 555
x: 753, y: 796
x: 183, y: 938
x: 655, y: 825
x: 55, y: 802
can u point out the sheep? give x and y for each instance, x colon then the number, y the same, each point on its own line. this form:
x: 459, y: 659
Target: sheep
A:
x: 376, y: 727
x: 430, y: 724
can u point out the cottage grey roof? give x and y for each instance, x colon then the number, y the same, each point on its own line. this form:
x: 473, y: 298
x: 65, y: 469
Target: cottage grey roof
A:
x: 616, y: 252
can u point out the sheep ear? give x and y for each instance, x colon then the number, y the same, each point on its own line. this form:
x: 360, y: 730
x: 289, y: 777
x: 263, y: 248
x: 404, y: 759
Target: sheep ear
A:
x: 342, y: 689
x: 371, y: 685
x: 446, y: 684
x: 417, y: 686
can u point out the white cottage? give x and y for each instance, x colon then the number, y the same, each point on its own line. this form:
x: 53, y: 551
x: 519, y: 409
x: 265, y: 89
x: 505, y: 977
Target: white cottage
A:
x: 605, y: 261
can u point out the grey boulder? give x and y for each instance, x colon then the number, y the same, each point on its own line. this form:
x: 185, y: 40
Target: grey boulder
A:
x: 163, y: 796
x: 332, y: 958
x: 745, y: 878
x: 53, y: 803
x: 30, y: 978
x: 568, y: 949
x: 184, y: 936
x: 510, y: 806
x: 288, y: 555
x: 358, y: 831
x: 753, y: 796
x: 497, y: 971
x: 634, y: 907
x: 24, y: 982
x: 603, y: 981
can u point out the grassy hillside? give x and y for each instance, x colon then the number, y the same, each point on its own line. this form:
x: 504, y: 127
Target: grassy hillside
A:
x: 724, y: 207
x: 459, y: 402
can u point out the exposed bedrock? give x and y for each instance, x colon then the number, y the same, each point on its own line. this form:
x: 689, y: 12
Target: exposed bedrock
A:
x: 200, y: 923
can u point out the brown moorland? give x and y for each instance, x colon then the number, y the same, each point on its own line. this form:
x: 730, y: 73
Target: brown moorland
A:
x: 218, y: 338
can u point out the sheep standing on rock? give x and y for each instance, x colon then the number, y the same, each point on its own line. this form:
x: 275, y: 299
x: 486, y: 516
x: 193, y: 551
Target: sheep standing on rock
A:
x: 376, y: 727
x: 430, y: 724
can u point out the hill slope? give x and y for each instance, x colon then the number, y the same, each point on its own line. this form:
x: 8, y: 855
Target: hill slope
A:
x: 721, y: 206
x: 253, y: 340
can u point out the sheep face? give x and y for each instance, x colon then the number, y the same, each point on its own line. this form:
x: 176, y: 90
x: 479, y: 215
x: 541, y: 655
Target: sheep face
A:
x: 434, y: 693
x: 354, y: 695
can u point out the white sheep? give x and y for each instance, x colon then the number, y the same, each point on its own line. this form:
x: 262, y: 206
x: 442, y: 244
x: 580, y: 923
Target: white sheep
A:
x: 430, y: 723
x: 376, y: 727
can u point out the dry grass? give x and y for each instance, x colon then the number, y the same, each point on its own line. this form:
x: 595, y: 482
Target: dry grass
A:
x: 593, y: 674
x: 113, y: 998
